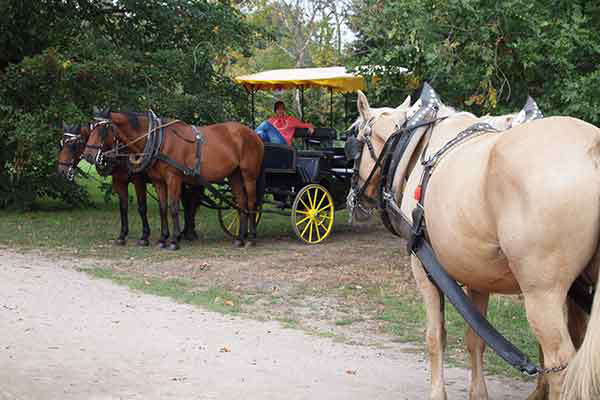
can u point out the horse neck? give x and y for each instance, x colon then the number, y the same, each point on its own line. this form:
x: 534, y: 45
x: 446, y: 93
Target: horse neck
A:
x: 133, y: 138
x: 448, y: 129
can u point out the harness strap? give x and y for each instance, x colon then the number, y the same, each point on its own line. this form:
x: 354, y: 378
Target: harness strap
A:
x: 195, y: 172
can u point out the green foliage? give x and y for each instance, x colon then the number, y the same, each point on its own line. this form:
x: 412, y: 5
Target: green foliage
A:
x: 60, y: 59
x: 486, y: 55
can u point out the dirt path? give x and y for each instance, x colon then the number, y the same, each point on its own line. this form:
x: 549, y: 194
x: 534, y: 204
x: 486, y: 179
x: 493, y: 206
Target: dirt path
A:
x: 64, y: 335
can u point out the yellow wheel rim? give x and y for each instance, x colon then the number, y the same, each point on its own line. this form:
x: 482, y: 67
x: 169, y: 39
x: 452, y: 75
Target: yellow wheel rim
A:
x: 230, y: 221
x: 312, y: 214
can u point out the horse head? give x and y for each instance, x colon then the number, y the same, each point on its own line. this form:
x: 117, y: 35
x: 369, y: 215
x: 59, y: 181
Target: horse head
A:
x: 102, y: 138
x: 366, y: 139
x: 71, y: 149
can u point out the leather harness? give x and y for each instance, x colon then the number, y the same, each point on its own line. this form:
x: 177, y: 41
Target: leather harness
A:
x: 394, y: 151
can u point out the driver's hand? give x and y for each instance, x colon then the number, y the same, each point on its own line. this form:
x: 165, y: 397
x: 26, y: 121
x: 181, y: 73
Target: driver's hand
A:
x: 311, y: 130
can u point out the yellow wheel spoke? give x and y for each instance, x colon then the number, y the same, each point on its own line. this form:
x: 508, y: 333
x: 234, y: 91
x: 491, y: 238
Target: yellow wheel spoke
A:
x: 310, y: 200
x: 321, y: 202
x: 305, y: 228
x: 302, y: 220
x: 313, y: 214
x: 304, y: 204
x: 324, y: 207
x: 315, y: 200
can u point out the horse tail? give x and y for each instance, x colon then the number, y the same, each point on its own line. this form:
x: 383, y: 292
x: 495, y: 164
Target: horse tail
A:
x: 582, y: 379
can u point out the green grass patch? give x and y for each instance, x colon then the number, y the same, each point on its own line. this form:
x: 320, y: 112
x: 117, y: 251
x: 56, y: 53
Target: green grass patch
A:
x: 290, y: 323
x: 347, y: 321
x: 181, y: 290
x: 91, y: 230
x: 406, y: 318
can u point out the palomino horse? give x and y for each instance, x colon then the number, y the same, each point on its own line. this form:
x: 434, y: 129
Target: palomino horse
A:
x: 174, y: 152
x: 71, y: 150
x: 511, y: 212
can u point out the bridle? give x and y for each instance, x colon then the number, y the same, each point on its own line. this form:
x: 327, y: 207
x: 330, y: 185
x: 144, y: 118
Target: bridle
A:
x: 74, y: 142
x: 104, y: 163
x: 354, y: 151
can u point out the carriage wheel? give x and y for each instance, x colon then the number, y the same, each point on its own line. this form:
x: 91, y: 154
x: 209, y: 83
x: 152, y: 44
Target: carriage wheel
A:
x: 312, y: 214
x: 230, y: 220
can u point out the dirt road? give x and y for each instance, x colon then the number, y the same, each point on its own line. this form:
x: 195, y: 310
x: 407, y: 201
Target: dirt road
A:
x: 65, y: 336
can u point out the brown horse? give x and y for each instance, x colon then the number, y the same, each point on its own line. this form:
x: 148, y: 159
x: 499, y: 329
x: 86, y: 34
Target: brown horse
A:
x: 71, y: 151
x: 174, y: 152
x: 510, y: 212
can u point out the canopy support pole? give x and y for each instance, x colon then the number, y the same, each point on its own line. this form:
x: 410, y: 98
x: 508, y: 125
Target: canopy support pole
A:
x: 252, y: 92
x: 301, y: 103
x: 346, y: 109
x: 331, y: 107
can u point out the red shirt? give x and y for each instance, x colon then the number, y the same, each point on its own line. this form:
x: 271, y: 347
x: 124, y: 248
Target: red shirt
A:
x: 287, y: 125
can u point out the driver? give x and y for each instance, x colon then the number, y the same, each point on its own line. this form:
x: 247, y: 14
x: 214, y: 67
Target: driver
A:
x: 281, y: 127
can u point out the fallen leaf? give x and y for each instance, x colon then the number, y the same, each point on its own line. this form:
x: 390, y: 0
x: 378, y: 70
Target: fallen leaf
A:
x: 228, y: 303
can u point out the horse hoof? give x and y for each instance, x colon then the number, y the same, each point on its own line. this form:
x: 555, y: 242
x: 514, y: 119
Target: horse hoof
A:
x: 250, y: 243
x: 172, y: 246
x: 143, y: 243
x: 120, y: 242
x: 162, y: 244
x: 238, y: 243
x: 191, y: 236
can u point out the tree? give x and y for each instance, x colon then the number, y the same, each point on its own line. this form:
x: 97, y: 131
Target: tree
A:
x: 60, y: 58
x: 302, y: 33
x: 486, y: 55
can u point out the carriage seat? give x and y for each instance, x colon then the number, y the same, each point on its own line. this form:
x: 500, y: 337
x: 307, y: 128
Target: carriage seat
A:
x: 319, y: 134
x: 279, y: 158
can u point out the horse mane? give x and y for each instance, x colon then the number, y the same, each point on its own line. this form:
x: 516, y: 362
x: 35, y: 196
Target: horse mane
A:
x: 132, y: 117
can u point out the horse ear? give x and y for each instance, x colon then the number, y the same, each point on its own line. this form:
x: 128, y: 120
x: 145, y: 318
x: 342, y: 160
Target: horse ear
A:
x: 363, y: 106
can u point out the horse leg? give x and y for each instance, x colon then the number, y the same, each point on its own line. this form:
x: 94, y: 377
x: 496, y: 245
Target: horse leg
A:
x: 190, y: 202
x: 577, y: 326
x: 476, y: 347
x: 174, y: 189
x: 120, y: 186
x: 546, y: 313
x: 186, y: 203
x: 436, y: 332
x: 237, y: 187
x: 161, y: 190
x: 195, y: 203
x: 250, y: 191
x: 140, y: 191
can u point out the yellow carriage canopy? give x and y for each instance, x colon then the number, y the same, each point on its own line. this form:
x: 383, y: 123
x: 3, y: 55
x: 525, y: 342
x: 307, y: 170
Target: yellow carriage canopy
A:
x: 335, y: 78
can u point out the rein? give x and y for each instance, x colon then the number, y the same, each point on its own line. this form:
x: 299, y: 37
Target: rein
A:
x: 125, y: 144
x: 389, y: 146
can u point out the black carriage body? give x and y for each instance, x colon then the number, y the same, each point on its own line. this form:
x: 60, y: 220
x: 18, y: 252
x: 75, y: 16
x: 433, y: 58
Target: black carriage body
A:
x: 288, y: 170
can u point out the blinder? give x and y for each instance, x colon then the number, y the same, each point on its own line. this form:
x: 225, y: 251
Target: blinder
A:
x: 353, y: 148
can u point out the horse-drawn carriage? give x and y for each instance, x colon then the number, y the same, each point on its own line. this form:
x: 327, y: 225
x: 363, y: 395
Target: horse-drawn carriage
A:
x: 307, y: 184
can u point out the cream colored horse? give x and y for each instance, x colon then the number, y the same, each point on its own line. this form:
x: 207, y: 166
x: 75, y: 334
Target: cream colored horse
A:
x: 511, y: 212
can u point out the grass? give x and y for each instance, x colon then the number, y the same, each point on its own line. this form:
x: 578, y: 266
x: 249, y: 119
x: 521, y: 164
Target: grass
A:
x: 405, y: 317
x: 90, y: 231
x: 181, y: 290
